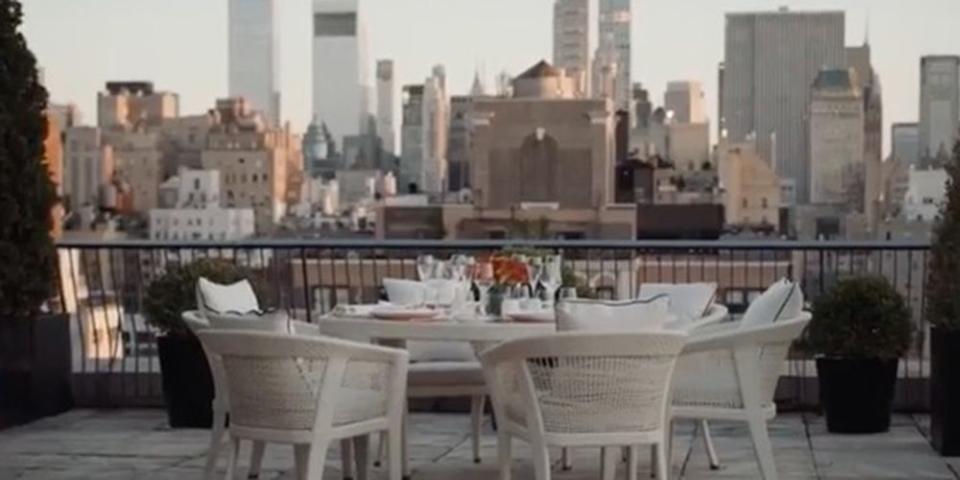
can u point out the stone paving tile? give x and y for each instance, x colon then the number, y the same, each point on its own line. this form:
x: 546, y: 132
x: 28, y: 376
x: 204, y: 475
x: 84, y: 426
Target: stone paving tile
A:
x: 135, y: 444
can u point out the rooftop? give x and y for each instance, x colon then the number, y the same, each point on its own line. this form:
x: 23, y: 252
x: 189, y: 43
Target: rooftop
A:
x: 124, y: 444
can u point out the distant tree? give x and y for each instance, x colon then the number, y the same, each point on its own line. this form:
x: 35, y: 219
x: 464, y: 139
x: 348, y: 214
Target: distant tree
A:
x: 27, y: 255
x: 943, y: 285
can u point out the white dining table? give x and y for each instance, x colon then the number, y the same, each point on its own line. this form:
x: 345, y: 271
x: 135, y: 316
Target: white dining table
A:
x: 366, y: 329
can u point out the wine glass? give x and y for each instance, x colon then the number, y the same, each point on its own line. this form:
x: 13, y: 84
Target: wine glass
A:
x: 534, y: 272
x: 552, y: 276
x: 483, y: 279
x: 425, y: 267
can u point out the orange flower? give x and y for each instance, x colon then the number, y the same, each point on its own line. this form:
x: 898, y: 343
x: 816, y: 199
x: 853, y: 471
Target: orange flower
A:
x: 508, y: 270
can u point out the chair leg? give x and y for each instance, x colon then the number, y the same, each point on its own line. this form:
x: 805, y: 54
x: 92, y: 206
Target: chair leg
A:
x: 405, y: 445
x: 762, y: 447
x: 346, y: 458
x: 317, y: 457
x: 633, y: 461
x: 566, y: 460
x: 381, y: 450
x: 301, y: 458
x: 541, y: 460
x: 476, y: 422
x: 395, y: 453
x: 653, y: 461
x: 361, y: 446
x: 216, y: 443
x: 708, y: 443
x: 504, y: 454
x: 663, y: 463
x: 608, y: 463
x: 232, y: 458
x: 256, y: 459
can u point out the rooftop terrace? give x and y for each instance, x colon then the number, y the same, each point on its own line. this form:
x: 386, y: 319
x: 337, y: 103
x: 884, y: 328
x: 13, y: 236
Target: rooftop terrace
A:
x: 125, y: 444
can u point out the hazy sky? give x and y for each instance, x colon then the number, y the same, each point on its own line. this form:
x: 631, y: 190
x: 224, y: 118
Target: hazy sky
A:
x: 181, y: 45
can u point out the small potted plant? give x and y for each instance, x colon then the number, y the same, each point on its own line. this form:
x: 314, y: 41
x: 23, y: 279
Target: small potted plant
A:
x: 860, y: 329
x: 187, y: 383
x: 943, y: 312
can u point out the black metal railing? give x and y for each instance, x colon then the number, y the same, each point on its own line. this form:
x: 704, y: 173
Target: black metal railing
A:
x: 102, y: 286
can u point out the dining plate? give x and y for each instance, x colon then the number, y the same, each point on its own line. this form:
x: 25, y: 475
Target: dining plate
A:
x: 533, y: 316
x: 405, y: 314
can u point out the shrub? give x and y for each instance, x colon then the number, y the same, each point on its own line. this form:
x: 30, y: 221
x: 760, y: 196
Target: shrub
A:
x: 861, y: 317
x: 943, y: 283
x: 174, y: 292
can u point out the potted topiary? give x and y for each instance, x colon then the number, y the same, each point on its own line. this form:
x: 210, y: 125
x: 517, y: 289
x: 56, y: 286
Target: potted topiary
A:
x: 943, y: 312
x: 187, y: 383
x: 35, y: 363
x: 859, y: 331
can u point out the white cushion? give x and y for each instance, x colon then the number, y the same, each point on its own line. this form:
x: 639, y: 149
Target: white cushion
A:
x: 436, y: 374
x: 404, y: 292
x: 274, y: 322
x: 630, y: 316
x: 782, y: 300
x: 237, y: 297
x: 688, y: 301
x: 421, y: 351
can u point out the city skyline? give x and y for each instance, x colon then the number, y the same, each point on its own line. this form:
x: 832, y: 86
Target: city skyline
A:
x: 499, y: 38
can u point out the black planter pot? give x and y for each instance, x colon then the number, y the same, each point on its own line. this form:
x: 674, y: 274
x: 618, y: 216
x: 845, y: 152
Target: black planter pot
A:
x: 187, y: 383
x: 945, y: 391
x: 35, y: 369
x: 857, y: 394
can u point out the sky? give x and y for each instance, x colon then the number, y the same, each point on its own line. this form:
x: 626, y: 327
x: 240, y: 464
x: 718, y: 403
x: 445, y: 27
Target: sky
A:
x: 181, y: 45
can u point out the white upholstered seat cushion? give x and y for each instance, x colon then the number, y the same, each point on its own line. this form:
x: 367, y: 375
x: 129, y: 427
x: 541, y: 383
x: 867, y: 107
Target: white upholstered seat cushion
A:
x: 277, y: 321
x: 597, y: 316
x: 782, y: 300
x: 404, y: 292
x: 688, y: 301
x: 444, y: 374
x: 236, y: 297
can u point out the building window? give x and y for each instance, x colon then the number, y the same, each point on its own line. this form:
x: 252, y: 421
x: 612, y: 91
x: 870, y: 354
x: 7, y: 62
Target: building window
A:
x: 743, y: 203
x: 253, y: 178
x: 243, y: 178
x: 241, y: 160
x: 763, y: 202
x: 264, y: 177
x: 196, y: 184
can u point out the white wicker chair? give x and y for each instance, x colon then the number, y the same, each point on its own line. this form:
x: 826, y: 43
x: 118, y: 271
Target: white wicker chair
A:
x: 730, y: 372
x: 221, y: 404
x: 582, y: 390
x: 308, y: 392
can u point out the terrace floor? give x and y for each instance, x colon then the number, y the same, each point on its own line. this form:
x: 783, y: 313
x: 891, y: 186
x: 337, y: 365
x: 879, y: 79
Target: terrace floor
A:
x: 136, y: 444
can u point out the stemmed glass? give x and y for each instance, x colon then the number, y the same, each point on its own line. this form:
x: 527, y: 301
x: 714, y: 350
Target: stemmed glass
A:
x: 426, y: 267
x: 552, y: 276
x: 483, y: 278
x: 534, y: 273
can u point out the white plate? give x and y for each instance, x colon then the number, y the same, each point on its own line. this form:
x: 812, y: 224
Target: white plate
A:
x: 404, y: 314
x: 532, y: 316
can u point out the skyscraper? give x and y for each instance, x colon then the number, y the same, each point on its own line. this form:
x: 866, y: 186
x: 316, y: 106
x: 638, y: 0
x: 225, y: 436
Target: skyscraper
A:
x: 836, y: 138
x: 411, y: 157
x: 771, y: 60
x: 436, y: 125
x: 613, y: 36
x: 905, y: 140
x: 571, y: 40
x: 685, y: 100
x: 340, y: 88
x: 254, y: 55
x: 385, y: 90
x: 939, y: 104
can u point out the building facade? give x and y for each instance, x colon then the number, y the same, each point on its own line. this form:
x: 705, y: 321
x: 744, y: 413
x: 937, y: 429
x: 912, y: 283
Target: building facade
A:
x: 939, y: 105
x: 686, y: 100
x: 771, y: 60
x: 254, y: 54
x: 905, y: 142
x: 614, y: 45
x: 436, y: 125
x: 752, y: 191
x: 411, y: 157
x: 385, y: 102
x: 836, y: 137
x: 926, y: 189
x: 340, y: 85
x: 129, y: 104
x: 458, y: 143
x: 88, y: 165
x: 139, y: 166
x: 571, y: 41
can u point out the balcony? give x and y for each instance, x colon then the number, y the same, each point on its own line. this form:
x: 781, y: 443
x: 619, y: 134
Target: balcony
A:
x: 102, y: 285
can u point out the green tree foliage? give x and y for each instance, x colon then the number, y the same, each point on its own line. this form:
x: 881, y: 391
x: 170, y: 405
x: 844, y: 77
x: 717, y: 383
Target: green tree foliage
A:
x: 943, y: 284
x: 27, y: 255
